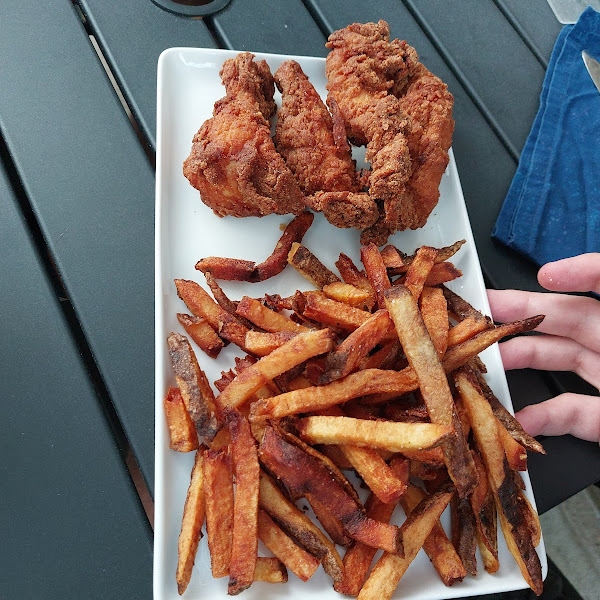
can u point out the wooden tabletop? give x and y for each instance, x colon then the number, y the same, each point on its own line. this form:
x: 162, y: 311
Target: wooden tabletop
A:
x: 77, y: 245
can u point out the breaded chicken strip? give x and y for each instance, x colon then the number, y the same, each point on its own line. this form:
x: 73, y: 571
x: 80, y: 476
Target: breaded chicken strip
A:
x: 233, y: 161
x: 320, y: 159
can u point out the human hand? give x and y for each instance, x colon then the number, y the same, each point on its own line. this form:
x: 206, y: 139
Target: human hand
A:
x: 571, y: 343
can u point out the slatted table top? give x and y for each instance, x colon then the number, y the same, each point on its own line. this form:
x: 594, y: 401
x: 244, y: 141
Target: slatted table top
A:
x: 77, y: 225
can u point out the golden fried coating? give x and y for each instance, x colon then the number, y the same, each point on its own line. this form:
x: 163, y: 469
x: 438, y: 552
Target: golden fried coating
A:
x: 233, y: 161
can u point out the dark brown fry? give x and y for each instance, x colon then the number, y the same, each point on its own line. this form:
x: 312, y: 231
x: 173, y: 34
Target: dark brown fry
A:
x: 202, y: 334
x: 182, y: 432
x: 376, y: 272
x: 309, y: 266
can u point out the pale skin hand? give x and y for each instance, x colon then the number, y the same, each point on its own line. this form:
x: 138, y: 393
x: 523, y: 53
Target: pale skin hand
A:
x: 571, y: 343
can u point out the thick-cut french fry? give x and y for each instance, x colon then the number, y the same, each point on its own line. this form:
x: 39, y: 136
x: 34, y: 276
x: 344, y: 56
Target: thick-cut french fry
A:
x: 384, y: 358
x: 433, y: 384
x: 270, y: 570
x: 464, y: 532
x: 218, y: 485
x: 349, y: 354
x: 376, y: 272
x: 388, y: 570
x: 223, y: 300
x: 295, y: 351
x: 265, y: 318
x: 359, y: 556
x: 191, y: 524
x: 297, y: 525
x: 419, y: 270
x: 347, y: 293
x: 182, y: 432
x: 371, y: 381
x: 442, y: 273
x: 513, y: 512
x: 323, y: 310
x: 460, y: 309
x: 201, y: 304
x: 388, y: 435
x: 516, y: 455
x: 229, y: 269
x: 261, y: 343
x: 330, y: 523
x: 466, y: 329
x: 305, y: 475
x: 350, y: 274
x: 202, y: 333
x: 309, y: 266
x: 437, y: 546
x: 298, y: 561
x: 435, y: 316
x: 197, y: 394
x: 245, y: 509
x: 396, y: 262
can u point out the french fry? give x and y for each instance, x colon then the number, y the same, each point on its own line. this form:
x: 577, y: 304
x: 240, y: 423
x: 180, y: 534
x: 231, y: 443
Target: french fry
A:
x: 466, y: 329
x: 201, y: 304
x: 269, y: 570
x: 387, y: 435
x: 396, y: 262
x: 464, y: 532
x: 516, y: 455
x: 182, y: 432
x: 329, y: 312
x: 197, y: 394
x: 244, y: 270
x: 191, y: 524
x: 310, y: 267
x: 435, y: 316
x: 298, y: 526
x: 295, y: 351
x: 385, y: 358
x: 298, y: 561
x: 388, y: 570
x: 330, y: 523
x: 223, y: 300
x: 433, y: 384
x: 442, y: 273
x: 349, y: 354
x: 348, y: 294
x: 437, y: 546
x: 370, y: 381
x: 306, y: 475
x: 419, y: 270
x: 245, y: 509
x: 376, y: 272
x: 513, y: 512
x: 261, y: 343
x: 350, y: 274
x: 218, y: 484
x: 202, y: 334
x: 265, y: 318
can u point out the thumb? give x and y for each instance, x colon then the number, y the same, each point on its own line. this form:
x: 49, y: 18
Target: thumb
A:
x: 575, y: 414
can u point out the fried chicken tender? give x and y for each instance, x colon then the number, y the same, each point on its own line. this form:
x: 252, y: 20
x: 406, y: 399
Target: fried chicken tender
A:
x: 233, y: 162
x: 318, y: 154
x: 402, y: 112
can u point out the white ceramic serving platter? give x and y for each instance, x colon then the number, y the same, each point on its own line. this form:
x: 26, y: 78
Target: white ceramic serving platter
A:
x: 186, y: 230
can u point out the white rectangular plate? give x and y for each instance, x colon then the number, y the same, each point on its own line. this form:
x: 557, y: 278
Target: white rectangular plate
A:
x: 186, y: 230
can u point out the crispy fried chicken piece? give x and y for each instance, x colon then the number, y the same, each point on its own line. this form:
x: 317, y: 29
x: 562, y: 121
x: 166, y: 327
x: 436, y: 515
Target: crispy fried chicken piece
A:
x: 315, y: 147
x: 233, y: 161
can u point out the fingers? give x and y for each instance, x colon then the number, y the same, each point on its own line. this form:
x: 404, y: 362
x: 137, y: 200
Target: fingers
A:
x: 578, y: 274
x: 575, y: 317
x: 551, y: 353
x: 568, y: 413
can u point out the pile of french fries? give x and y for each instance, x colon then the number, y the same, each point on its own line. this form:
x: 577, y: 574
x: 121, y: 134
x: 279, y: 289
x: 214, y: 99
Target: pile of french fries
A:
x: 375, y: 371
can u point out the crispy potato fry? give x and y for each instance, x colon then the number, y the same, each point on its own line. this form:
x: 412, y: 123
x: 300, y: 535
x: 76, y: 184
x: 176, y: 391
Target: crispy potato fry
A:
x: 464, y: 532
x: 270, y: 570
x: 330, y: 523
x: 218, y: 486
x: 435, y: 316
x: 385, y: 358
x: 514, y: 514
x: 433, y: 384
x: 197, y: 394
x: 191, y: 524
x: 466, y: 329
x: 388, y: 435
x: 298, y: 561
x: 388, y: 570
x: 359, y: 556
x: 437, y: 546
x: 419, y: 270
x: 261, y: 343
x: 265, y: 318
x: 244, y: 270
x: 202, y: 334
x: 396, y: 262
x: 371, y: 381
x: 350, y: 353
x: 182, y: 432
x: 323, y: 310
x: 223, y: 300
x: 245, y: 509
x: 201, y: 304
x: 350, y: 274
x: 307, y: 476
x: 310, y: 267
x: 442, y: 273
x: 297, y: 525
x: 347, y: 293
x: 295, y: 351
x: 516, y: 455
x: 376, y: 272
